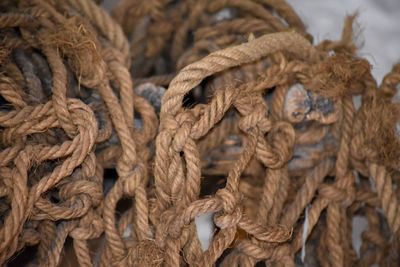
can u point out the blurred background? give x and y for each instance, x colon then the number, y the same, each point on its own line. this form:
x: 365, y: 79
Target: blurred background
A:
x: 378, y: 26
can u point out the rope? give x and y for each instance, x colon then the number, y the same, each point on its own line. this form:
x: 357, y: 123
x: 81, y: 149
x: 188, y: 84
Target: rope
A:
x: 119, y: 129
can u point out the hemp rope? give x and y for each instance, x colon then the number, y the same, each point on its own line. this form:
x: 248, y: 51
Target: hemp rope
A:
x: 257, y: 127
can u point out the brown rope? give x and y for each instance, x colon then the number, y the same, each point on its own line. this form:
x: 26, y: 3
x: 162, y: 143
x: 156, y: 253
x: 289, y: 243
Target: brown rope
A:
x: 117, y: 133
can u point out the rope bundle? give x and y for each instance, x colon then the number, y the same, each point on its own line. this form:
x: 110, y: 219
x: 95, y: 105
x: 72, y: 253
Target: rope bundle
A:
x: 257, y: 126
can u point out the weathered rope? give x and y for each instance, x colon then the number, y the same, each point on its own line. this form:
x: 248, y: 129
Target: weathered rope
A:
x: 118, y: 132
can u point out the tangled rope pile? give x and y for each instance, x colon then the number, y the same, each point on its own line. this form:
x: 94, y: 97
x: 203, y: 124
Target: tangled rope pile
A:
x: 257, y: 126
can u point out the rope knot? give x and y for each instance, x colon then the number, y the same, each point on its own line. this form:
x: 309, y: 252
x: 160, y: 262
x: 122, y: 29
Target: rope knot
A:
x: 181, y: 136
x: 282, y: 139
x: 228, y: 199
x: 91, y: 226
x: 232, y: 212
x: 179, y: 128
x: 85, y: 187
x: 223, y: 221
x: 133, y: 179
x: 275, y: 152
x: 169, y: 124
x: 257, y: 118
x: 344, y: 196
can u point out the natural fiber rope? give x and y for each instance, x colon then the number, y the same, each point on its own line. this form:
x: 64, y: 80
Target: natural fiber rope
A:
x: 257, y: 126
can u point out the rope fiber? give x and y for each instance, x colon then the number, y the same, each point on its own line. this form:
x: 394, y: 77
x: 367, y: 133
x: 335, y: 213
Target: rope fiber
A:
x: 118, y: 129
